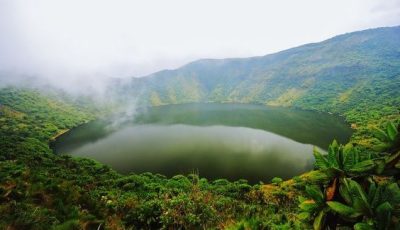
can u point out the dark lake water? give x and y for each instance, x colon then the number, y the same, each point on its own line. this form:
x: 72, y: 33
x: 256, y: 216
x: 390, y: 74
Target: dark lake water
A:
x: 232, y: 141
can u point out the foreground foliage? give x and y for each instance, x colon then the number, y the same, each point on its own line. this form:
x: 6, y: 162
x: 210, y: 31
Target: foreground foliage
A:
x: 41, y: 190
x: 351, y: 187
x: 361, y: 191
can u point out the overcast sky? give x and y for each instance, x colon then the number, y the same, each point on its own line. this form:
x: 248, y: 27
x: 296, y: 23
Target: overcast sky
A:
x: 79, y: 39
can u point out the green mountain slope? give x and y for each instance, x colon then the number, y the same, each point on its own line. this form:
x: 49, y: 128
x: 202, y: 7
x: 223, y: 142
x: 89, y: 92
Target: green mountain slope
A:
x: 343, y: 75
x: 42, y: 190
x: 289, y: 77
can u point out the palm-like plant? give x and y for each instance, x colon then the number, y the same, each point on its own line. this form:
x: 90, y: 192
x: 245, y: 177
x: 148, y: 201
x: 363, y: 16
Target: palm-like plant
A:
x: 348, y: 200
x: 346, y: 161
x: 390, y: 141
x: 379, y: 208
x: 314, y: 208
x: 388, y: 137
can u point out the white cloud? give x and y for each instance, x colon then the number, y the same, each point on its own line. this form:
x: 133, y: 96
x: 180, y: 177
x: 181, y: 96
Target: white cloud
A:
x: 69, y: 39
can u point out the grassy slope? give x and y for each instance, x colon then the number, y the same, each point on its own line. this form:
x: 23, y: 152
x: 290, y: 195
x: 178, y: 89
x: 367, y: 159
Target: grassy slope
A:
x: 40, y: 190
x: 356, y: 75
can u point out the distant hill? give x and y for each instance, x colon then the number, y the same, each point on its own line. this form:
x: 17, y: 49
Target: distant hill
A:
x: 334, y: 72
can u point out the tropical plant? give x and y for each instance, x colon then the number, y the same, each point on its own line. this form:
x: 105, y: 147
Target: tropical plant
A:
x: 347, y: 161
x: 314, y: 208
x: 388, y: 137
x: 377, y: 208
x: 362, y: 192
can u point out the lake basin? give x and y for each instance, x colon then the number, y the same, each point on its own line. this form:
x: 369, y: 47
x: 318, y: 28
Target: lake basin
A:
x: 232, y: 141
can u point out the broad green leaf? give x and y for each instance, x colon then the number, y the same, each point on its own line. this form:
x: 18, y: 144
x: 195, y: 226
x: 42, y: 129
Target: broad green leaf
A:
x: 303, y: 215
x: 377, y: 197
x: 302, y: 199
x: 334, y: 145
x: 333, y: 152
x: 357, y: 157
x: 348, y: 159
x: 360, y: 200
x: 344, y: 191
x: 348, y: 148
x: 384, y: 215
x: 380, y: 164
x: 317, y: 177
x: 319, y: 220
x: 363, y: 166
x: 381, y: 135
x: 343, y: 209
x: 363, y: 226
x: 393, y: 193
x: 315, y: 193
x: 371, y: 192
x: 308, y: 206
x: 391, y: 131
x: 320, y: 161
x: 381, y: 147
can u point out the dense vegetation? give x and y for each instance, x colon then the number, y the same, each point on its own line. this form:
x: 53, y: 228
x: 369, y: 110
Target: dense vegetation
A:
x: 354, y: 186
x: 361, y: 190
x: 39, y: 189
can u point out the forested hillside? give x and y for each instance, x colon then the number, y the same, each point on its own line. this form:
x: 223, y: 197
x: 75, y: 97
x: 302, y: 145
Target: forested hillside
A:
x: 41, y: 190
x: 356, y: 75
x: 338, y: 70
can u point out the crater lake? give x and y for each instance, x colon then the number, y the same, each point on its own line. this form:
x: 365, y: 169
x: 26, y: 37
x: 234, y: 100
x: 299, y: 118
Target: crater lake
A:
x: 233, y: 141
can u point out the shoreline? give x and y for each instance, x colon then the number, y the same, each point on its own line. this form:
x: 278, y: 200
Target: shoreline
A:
x: 58, y: 134
x: 64, y: 131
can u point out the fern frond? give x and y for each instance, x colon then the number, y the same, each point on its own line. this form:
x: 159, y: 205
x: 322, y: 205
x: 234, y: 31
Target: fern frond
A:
x: 320, y: 161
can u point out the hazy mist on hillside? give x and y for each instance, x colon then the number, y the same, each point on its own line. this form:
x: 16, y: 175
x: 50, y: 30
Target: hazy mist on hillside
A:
x: 79, y: 44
